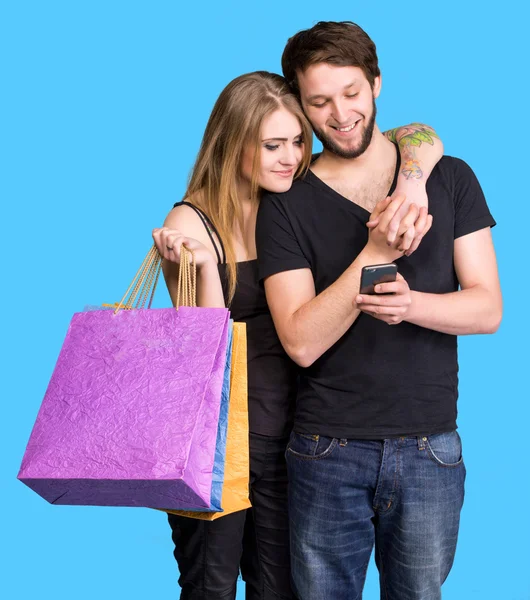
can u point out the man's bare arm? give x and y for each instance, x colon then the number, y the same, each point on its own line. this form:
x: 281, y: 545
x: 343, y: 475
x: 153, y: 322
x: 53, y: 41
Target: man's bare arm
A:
x: 477, y: 306
x: 420, y: 149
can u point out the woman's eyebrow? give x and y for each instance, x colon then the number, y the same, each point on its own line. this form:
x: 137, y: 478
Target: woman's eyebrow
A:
x: 279, y: 139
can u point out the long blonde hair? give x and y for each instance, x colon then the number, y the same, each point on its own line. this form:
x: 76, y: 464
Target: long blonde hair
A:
x: 235, y: 121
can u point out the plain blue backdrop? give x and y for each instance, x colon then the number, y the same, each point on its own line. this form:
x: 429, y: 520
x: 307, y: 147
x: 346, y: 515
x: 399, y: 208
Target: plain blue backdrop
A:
x: 102, y: 110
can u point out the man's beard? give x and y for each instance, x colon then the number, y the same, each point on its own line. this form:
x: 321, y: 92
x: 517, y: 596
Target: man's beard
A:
x: 331, y: 146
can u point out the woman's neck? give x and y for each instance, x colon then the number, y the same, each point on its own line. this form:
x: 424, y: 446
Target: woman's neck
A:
x: 243, y: 190
x: 245, y: 231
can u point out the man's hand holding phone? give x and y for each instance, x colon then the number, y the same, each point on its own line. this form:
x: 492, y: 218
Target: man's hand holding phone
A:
x: 390, y: 303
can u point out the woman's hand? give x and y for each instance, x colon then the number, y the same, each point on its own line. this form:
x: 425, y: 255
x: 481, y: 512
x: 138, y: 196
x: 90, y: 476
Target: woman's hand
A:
x: 393, y: 225
x: 416, y: 193
x: 409, y: 223
x: 170, y: 241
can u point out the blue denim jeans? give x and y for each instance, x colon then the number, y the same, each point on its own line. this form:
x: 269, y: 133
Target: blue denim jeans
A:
x: 403, y: 495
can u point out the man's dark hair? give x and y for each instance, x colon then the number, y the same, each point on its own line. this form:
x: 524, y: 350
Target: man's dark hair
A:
x: 343, y: 44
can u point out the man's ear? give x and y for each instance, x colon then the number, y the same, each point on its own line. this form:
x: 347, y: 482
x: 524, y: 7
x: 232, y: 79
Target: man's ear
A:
x: 376, y: 88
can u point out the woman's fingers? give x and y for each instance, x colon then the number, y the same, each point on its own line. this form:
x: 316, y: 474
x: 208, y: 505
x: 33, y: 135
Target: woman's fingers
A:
x: 420, y: 234
x: 399, y: 225
x: 168, y: 242
x: 380, y: 207
x: 389, y: 213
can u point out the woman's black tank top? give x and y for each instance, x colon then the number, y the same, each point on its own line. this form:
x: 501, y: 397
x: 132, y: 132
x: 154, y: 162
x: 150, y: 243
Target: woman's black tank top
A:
x: 272, y: 375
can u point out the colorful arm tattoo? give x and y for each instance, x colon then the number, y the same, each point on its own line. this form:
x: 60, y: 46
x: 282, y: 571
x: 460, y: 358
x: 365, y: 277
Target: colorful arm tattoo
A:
x: 409, y: 138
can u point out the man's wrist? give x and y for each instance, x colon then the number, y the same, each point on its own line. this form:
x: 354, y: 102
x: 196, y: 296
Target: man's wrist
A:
x: 405, y: 184
x: 415, y: 303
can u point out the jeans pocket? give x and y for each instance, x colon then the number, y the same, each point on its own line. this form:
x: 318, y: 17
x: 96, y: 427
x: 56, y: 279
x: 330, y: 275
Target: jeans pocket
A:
x: 445, y: 449
x: 311, y: 447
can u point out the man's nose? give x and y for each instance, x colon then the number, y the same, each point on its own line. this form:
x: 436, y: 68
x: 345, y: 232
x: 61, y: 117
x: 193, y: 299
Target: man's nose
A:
x: 340, y: 112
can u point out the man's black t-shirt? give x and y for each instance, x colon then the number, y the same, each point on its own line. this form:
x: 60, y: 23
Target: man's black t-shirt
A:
x: 378, y: 380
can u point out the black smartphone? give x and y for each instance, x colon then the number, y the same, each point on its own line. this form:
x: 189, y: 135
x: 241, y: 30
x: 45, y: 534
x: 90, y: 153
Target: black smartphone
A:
x: 371, y: 275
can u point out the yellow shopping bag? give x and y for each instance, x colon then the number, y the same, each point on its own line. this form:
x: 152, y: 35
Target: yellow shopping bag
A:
x: 236, y: 474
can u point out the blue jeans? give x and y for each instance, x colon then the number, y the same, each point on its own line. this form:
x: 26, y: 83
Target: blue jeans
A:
x: 403, y: 495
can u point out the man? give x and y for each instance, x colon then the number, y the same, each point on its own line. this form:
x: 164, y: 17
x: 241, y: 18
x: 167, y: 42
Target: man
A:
x: 375, y: 457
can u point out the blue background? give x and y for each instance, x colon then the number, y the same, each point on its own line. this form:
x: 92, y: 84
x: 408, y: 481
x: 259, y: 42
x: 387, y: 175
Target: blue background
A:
x: 103, y: 108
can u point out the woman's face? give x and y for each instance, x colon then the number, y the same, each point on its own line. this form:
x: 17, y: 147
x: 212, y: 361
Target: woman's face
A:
x: 281, y: 152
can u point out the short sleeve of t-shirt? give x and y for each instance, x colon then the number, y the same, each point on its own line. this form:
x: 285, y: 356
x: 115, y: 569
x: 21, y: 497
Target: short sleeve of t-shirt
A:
x: 471, y: 211
x: 276, y: 244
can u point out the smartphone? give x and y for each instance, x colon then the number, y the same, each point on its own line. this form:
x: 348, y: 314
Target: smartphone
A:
x: 371, y: 275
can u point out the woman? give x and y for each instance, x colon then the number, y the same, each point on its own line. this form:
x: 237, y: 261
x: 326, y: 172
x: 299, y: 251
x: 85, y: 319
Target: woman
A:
x: 257, y: 138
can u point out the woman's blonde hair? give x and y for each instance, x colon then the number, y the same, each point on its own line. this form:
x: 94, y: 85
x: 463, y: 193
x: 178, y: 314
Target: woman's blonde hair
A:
x: 236, y: 121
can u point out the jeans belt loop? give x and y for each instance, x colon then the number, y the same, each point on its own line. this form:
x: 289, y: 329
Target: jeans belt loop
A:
x: 422, y: 440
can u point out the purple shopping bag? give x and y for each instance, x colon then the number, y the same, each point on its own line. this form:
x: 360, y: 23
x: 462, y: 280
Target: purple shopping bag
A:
x: 125, y: 420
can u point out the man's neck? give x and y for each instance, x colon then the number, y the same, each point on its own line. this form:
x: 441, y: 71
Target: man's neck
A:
x: 380, y: 155
x: 364, y: 180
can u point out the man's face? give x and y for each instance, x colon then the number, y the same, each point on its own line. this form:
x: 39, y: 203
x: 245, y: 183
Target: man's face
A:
x: 340, y: 104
